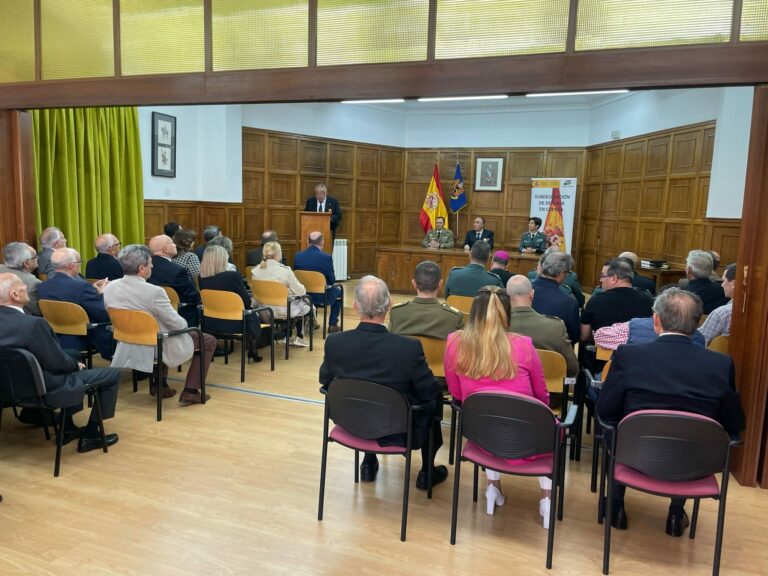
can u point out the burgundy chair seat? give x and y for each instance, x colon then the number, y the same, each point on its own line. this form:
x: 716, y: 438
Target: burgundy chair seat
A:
x: 338, y: 434
x: 542, y: 466
x: 702, y: 488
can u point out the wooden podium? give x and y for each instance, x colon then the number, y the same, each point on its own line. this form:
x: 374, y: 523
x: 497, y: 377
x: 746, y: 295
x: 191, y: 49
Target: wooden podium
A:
x: 316, y: 221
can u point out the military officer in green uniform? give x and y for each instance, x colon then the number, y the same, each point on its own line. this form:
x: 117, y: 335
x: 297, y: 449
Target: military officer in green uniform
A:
x: 425, y: 315
x: 439, y: 237
x: 547, y: 332
x: 467, y: 280
x: 533, y: 241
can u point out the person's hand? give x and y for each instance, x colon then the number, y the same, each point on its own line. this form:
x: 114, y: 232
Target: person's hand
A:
x: 433, y: 244
x: 100, y: 285
x: 466, y: 246
x: 80, y: 366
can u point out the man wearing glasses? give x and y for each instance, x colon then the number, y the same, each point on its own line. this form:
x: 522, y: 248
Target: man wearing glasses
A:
x: 68, y: 286
x: 105, y: 264
x: 21, y: 259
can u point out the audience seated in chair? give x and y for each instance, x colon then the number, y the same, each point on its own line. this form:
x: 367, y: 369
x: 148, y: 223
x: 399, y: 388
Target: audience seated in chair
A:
x: 21, y: 259
x: 255, y: 256
x: 105, y: 264
x: 549, y: 299
x: 486, y: 357
x: 133, y: 292
x: 638, y: 280
x: 209, y: 234
x: 467, y: 280
x: 314, y: 259
x: 698, y: 269
x: 184, y: 238
x: 165, y: 272
x: 65, y: 378
x: 370, y: 352
x: 570, y: 285
x: 51, y: 239
x: 718, y: 323
x: 693, y: 379
x: 68, y: 286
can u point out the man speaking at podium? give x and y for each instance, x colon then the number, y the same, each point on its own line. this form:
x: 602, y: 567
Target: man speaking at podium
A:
x: 324, y: 203
x: 439, y: 236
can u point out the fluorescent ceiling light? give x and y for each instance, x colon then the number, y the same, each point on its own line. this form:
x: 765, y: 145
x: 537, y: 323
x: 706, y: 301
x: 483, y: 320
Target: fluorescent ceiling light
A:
x: 379, y: 101
x: 543, y: 94
x: 450, y: 98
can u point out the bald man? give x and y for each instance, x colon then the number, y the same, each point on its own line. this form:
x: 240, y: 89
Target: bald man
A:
x: 68, y: 286
x: 314, y: 259
x: 105, y: 264
x: 547, y: 332
x: 638, y: 280
x: 165, y: 272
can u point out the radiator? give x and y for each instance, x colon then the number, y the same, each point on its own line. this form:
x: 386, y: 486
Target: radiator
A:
x: 340, y: 259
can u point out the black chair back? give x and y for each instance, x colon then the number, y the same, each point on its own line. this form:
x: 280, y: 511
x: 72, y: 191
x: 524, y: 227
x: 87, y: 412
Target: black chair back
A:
x: 672, y: 446
x: 365, y: 409
x: 20, y: 376
x: 508, y: 426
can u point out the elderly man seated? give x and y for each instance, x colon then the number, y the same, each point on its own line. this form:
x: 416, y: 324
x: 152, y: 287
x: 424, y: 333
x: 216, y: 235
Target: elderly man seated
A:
x: 698, y: 269
x: 105, y: 264
x: 21, y: 259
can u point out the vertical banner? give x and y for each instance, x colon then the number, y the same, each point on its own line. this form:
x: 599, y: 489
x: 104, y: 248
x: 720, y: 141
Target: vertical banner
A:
x: 554, y: 201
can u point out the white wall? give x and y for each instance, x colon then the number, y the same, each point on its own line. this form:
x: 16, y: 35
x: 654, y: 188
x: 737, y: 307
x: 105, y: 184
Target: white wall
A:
x: 208, y: 154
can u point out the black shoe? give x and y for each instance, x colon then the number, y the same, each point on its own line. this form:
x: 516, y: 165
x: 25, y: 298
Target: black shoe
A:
x: 35, y: 417
x: 619, y: 520
x: 88, y: 444
x: 439, y: 474
x: 72, y: 434
x: 368, y: 471
x: 142, y: 375
x: 677, y: 524
x: 255, y: 357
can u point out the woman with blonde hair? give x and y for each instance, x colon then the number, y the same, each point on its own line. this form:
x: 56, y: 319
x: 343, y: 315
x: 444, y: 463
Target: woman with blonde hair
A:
x: 215, y: 276
x: 272, y: 269
x: 486, y: 357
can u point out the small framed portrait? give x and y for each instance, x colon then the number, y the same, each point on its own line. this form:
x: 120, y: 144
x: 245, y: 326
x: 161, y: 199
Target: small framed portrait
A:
x: 163, y: 145
x: 489, y: 174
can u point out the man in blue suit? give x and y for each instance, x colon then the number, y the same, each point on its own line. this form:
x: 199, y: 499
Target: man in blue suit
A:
x: 324, y: 203
x: 478, y: 232
x: 314, y: 259
x: 549, y: 300
x: 168, y: 273
x: 68, y: 286
x: 105, y: 265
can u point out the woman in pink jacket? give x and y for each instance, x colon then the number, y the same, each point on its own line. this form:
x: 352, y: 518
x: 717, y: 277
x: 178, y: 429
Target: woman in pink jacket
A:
x: 486, y: 357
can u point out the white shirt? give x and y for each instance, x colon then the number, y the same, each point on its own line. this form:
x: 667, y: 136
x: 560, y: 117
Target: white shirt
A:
x: 321, y: 206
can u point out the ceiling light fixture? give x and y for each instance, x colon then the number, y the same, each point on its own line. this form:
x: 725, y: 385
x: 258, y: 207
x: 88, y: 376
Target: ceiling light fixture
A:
x: 452, y: 98
x: 378, y: 101
x: 588, y: 93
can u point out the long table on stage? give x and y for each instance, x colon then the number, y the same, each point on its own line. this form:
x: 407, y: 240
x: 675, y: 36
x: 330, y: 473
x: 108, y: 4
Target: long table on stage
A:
x: 395, y: 264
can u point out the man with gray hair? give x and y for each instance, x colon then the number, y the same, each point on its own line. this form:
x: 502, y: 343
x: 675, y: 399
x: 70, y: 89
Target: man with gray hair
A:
x: 547, y: 332
x: 693, y: 379
x: 209, y: 234
x: 21, y: 259
x: 133, y: 292
x: 321, y: 202
x: 255, y: 256
x: 51, y: 239
x: 370, y: 352
x: 105, y: 264
x: 425, y: 315
x: 549, y: 300
x: 698, y: 269
x: 467, y: 280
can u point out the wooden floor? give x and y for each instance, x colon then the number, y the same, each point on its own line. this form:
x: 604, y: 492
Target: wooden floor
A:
x: 231, y: 488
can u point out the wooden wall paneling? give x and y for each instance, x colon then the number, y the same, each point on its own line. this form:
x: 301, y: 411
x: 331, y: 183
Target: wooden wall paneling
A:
x: 389, y: 227
x: 254, y: 149
x: 607, y: 232
x: 365, y: 225
x: 613, y: 160
x: 412, y: 231
x: 652, y: 198
x: 634, y: 159
x: 253, y: 187
x: 657, y: 158
x: 702, y: 197
x: 609, y: 201
x: 626, y: 236
x: 414, y: 195
x: 681, y: 198
x: 564, y: 163
x: 629, y: 199
x: 686, y: 152
x: 254, y: 225
x: 283, y: 153
x: 512, y: 232
x: 282, y: 189
x: 186, y: 214
x: 367, y: 162
x: 284, y: 221
x: 591, y: 206
x: 210, y: 214
x: 726, y: 235
x: 364, y: 258
x: 485, y: 203
x: 390, y: 195
x: 341, y: 160
x: 595, y: 159
x: 649, y: 239
x: 526, y: 164
x: 587, y: 266
x: 366, y: 195
x: 154, y: 218
x: 342, y: 190
x: 420, y: 164
x: 394, y: 268
x: 701, y: 235
x: 519, y: 199
x: 676, y: 242
x: 313, y: 157
x: 392, y: 164
x: 447, y: 165
x: 708, y: 149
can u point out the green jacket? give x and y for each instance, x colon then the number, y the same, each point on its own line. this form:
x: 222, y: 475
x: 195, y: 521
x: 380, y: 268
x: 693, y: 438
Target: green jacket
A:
x: 537, y: 241
x: 425, y: 317
x: 467, y: 280
x: 547, y: 333
x: 444, y: 238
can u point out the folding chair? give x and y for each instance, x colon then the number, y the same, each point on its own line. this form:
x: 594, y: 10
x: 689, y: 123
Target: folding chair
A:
x: 70, y: 319
x: 271, y: 293
x: 314, y: 282
x: 719, y: 344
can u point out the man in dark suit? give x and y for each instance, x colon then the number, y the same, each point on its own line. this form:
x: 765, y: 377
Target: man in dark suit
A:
x: 314, y: 259
x: 698, y: 269
x: 255, y: 256
x: 478, y: 232
x: 168, y: 273
x: 324, y: 203
x: 549, y: 300
x: 638, y: 280
x: 693, y: 379
x: 68, y: 286
x: 209, y: 234
x: 65, y: 378
x: 105, y: 264
x: 370, y: 352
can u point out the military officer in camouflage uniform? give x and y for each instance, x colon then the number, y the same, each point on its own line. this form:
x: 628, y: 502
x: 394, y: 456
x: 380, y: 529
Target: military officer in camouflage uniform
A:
x: 425, y: 315
x: 533, y: 241
x: 439, y: 237
x: 467, y: 280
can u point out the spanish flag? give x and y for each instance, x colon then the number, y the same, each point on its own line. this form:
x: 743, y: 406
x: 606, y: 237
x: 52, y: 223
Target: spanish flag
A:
x: 554, y: 229
x: 434, y: 203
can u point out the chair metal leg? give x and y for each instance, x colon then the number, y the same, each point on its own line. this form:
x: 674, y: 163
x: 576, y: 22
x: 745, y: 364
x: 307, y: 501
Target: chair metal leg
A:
x: 325, y: 315
x: 100, y: 420
x: 159, y: 380
x: 59, y: 442
x: 323, y: 461
x: 357, y: 466
x: 474, y: 483
x: 452, y: 441
x: 406, y: 487
x: 554, y: 497
x: 243, y: 354
x: 694, y: 519
x: 720, y: 529
x: 559, y: 480
x: 601, y: 498
x: 455, y: 505
x: 595, y: 456
x: 608, y: 518
x: 135, y: 380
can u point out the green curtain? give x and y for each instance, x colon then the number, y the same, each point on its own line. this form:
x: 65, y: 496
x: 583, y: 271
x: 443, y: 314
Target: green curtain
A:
x: 88, y: 174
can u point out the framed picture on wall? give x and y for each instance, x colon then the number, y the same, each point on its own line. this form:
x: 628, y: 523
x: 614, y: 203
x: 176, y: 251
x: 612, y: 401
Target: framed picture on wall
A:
x: 163, y: 145
x: 489, y: 174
